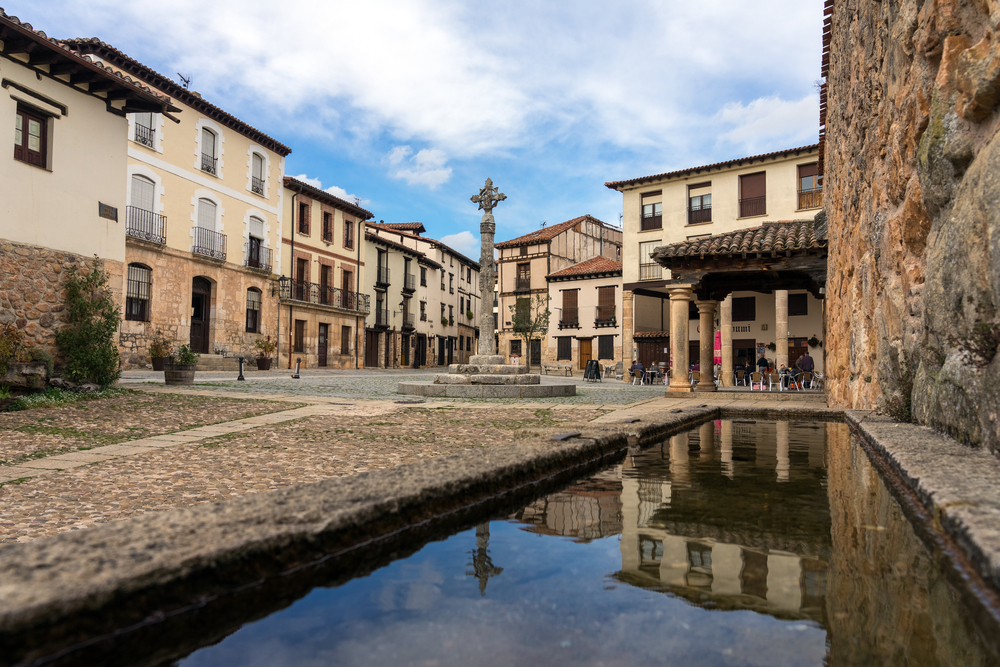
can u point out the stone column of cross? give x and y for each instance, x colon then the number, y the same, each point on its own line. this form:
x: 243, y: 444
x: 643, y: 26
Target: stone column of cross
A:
x: 487, y: 199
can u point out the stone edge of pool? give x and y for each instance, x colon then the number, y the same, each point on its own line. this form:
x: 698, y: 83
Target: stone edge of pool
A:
x: 264, y: 535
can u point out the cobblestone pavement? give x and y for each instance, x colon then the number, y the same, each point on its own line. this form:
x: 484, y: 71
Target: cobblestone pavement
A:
x: 253, y: 456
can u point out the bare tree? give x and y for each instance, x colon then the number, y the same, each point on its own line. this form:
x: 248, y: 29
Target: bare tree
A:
x: 530, y: 320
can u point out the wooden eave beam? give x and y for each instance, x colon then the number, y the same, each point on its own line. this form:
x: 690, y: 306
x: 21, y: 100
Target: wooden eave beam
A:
x: 43, y: 58
x: 86, y: 76
x: 17, y: 44
x: 59, y: 69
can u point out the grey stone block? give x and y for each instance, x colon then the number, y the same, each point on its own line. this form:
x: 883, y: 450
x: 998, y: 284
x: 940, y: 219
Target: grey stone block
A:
x: 548, y: 390
x: 464, y: 390
x: 486, y: 369
x: 486, y: 359
x: 505, y: 379
x: 452, y: 378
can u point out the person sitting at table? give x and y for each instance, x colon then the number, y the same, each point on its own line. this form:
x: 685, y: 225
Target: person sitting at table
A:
x: 784, y: 374
x: 695, y: 367
x: 636, y: 368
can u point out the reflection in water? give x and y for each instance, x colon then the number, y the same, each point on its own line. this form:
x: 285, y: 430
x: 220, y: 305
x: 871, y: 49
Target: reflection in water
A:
x: 749, y: 543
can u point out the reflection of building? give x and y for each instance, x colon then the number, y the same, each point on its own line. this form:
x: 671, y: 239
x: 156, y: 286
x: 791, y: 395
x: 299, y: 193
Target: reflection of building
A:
x: 587, y: 510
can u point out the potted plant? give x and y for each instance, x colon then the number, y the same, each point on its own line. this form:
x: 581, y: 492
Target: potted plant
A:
x: 265, y: 348
x: 160, y: 347
x: 814, y: 342
x: 181, y: 367
x: 444, y: 320
x: 469, y: 314
x: 772, y: 347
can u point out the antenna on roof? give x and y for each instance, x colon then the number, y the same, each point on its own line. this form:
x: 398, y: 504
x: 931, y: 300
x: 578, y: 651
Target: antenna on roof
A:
x: 543, y: 224
x: 186, y: 80
x: 357, y: 202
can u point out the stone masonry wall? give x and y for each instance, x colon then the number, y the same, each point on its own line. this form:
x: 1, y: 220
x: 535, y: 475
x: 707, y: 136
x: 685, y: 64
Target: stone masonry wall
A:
x: 913, y: 199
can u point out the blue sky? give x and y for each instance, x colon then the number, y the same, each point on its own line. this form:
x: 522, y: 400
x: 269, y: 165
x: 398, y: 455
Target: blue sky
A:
x: 410, y: 105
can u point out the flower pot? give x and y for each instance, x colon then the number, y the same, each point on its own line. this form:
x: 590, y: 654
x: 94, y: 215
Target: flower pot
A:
x: 263, y: 363
x: 159, y: 363
x: 179, y: 373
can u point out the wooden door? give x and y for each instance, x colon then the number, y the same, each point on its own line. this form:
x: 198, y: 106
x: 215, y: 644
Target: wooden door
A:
x: 652, y: 351
x: 322, y: 343
x: 201, y: 299
x: 440, y: 359
x: 404, y: 352
x: 420, y: 352
x: 586, y: 352
x: 536, y: 352
x: 371, y: 349
x: 796, y: 348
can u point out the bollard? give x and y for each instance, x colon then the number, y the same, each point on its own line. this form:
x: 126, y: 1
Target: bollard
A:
x: 241, y: 378
x: 298, y: 364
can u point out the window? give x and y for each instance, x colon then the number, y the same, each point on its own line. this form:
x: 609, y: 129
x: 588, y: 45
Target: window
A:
x: 648, y: 269
x: 605, y: 347
x: 442, y: 311
x: 523, y: 277
x: 423, y: 311
x: 524, y: 251
x: 652, y: 210
x: 324, y: 284
x: 442, y: 280
x: 461, y: 343
x: 605, y: 305
x: 31, y: 131
x: 753, y: 191
x: 258, y: 257
x: 570, y: 311
x: 699, y: 203
x: 515, y: 346
x: 451, y: 283
x: 327, y: 226
x: 257, y: 174
x: 209, y: 159
x: 348, y: 233
x: 142, y: 124
x: 423, y: 276
x: 468, y: 274
x: 140, y: 278
x: 140, y: 220
x: 810, y: 186
x: 253, y: 310
x: 303, y: 218
x: 206, y: 214
x: 461, y: 304
x: 564, y: 348
x: 345, y: 340
x: 451, y: 314
x: 496, y: 324
x: 798, y: 304
x: 522, y: 309
x: 468, y: 344
x: 744, y: 309
x: 299, y: 344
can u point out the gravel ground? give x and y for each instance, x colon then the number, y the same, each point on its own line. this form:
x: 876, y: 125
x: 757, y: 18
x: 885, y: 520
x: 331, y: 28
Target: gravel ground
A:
x: 31, y: 434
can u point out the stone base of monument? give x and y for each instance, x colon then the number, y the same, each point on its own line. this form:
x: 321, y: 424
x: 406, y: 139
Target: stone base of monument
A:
x: 487, y: 377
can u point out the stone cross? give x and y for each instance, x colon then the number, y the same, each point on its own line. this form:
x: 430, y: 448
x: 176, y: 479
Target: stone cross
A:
x: 488, y: 198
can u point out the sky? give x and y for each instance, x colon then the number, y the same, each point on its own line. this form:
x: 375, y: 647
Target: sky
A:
x: 410, y: 105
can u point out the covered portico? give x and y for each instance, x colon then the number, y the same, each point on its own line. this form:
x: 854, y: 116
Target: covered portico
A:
x: 773, y: 258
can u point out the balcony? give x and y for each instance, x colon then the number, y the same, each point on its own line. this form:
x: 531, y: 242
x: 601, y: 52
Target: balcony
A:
x: 570, y: 318
x: 144, y: 135
x: 811, y: 198
x: 651, y: 221
x: 699, y: 215
x: 209, y: 163
x: 209, y: 243
x: 522, y: 284
x: 258, y: 257
x: 145, y: 225
x: 650, y: 272
x: 409, y: 283
x: 752, y: 206
x: 606, y: 317
x: 381, y: 318
x: 256, y: 185
x: 382, y: 277
x: 409, y: 321
x: 322, y: 295
x: 423, y: 317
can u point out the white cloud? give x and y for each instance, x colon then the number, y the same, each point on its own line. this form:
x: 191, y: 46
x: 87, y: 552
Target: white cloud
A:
x: 427, y: 167
x: 464, y: 242
x: 333, y: 190
x: 767, y: 119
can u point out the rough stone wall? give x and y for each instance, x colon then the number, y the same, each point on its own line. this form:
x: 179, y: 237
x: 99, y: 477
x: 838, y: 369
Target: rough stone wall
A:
x: 913, y: 198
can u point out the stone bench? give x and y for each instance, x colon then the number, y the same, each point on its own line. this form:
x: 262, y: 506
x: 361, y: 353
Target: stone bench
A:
x: 557, y: 368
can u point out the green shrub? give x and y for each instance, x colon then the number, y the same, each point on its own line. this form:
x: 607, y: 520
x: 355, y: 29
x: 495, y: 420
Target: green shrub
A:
x: 87, y: 342
x: 29, y: 354
x: 10, y: 341
x: 159, y: 345
x: 186, y: 356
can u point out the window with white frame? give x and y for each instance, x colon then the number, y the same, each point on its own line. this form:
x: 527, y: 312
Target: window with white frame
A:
x: 209, y: 154
x: 648, y: 268
x: 143, y: 129
x: 257, y: 174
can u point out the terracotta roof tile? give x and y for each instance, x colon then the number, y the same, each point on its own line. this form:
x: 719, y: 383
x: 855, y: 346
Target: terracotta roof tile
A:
x: 651, y: 334
x: 592, y: 266
x: 770, y: 237
x: 416, y: 227
x: 547, y: 233
x: 375, y: 238
x: 616, y: 185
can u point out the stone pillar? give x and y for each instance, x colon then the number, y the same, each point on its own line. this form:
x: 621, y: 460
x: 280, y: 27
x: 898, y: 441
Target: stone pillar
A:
x: 679, y: 298
x: 726, y: 317
x: 628, y: 327
x: 706, y: 345
x: 781, y: 327
x: 784, y: 464
x: 487, y: 228
x: 706, y: 435
x: 726, y: 448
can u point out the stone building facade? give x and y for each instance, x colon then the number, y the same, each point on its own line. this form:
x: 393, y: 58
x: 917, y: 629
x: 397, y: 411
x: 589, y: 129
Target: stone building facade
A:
x: 912, y: 153
x: 586, y: 304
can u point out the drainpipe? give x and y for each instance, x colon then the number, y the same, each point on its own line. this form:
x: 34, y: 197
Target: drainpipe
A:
x: 357, y: 288
x: 291, y: 271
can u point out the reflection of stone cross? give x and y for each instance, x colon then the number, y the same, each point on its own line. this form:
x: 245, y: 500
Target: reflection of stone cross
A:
x: 488, y: 197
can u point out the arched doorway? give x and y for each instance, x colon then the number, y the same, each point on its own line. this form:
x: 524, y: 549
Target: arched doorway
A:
x: 201, y: 299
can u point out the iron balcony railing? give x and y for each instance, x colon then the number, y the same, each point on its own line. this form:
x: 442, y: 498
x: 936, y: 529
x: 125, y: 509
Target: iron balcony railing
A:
x: 651, y: 221
x: 144, y: 135
x: 811, y: 198
x: 381, y: 317
x: 209, y: 243
x: 327, y: 234
x: 570, y: 318
x: 409, y: 321
x: 409, y: 283
x: 258, y: 257
x: 208, y: 163
x: 382, y: 277
x: 145, y: 225
x: 650, y: 272
x: 605, y: 316
x: 753, y: 206
x: 702, y: 214
x: 322, y: 295
x: 423, y: 317
x: 256, y: 185
x: 522, y: 284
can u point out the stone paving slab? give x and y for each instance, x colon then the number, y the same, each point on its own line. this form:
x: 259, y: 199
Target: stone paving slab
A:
x: 9, y: 473
x: 51, y: 463
x: 120, y: 450
x: 86, y: 457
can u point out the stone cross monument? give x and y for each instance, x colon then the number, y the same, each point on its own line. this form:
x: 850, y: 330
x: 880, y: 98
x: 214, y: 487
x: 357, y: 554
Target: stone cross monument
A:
x: 487, y: 199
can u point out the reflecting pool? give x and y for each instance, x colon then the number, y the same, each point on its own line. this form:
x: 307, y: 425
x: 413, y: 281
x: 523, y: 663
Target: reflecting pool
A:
x: 737, y: 543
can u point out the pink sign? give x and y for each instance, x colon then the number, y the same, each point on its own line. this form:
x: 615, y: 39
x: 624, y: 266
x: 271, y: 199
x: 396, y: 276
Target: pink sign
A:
x: 718, y: 347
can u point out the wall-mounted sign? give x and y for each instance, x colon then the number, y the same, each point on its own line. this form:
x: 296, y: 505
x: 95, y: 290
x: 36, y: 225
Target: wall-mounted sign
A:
x: 106, y: 211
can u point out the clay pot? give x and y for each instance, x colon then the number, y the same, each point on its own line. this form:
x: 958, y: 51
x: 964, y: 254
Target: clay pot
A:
x: 158, y: 363
x: 263, y: 363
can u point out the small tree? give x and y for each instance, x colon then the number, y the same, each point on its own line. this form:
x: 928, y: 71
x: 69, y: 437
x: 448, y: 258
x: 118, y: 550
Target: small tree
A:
x: 530, y: 320
x: 87, y: 342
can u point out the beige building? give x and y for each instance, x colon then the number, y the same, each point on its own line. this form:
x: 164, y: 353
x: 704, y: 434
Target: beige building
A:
x: 430, y: 298
x: 524, y: 264
x: 586, y: 302
x: 322, y: 306
x: 203, y: 222
x: 63, y: 189
x: 703, y: 202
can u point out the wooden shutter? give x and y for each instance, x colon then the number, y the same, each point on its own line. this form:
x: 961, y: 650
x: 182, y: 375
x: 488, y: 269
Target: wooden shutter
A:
x: 606, y: 296
x: 753, y: 185
x: 571, y: 299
